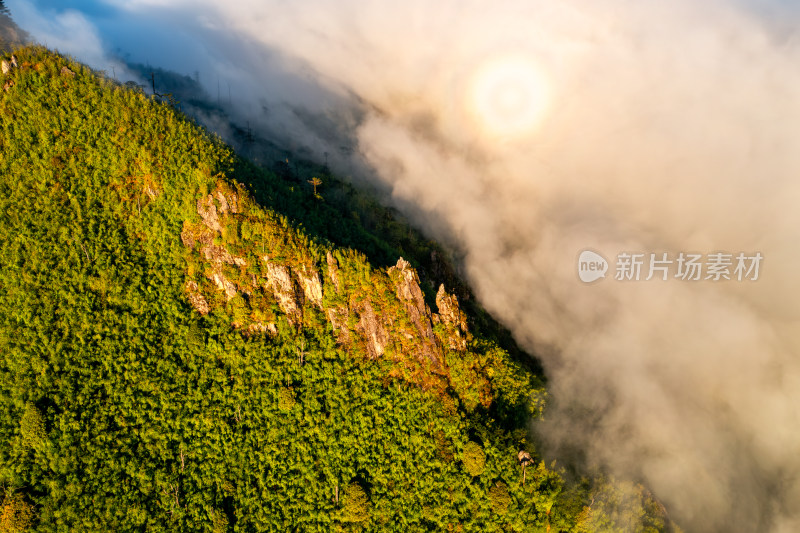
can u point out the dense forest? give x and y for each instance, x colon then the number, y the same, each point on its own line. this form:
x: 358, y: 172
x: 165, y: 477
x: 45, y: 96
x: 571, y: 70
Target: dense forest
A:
x: 191, y: 342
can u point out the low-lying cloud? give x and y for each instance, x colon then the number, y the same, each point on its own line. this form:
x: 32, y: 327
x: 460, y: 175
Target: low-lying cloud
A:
x: 522, y: 132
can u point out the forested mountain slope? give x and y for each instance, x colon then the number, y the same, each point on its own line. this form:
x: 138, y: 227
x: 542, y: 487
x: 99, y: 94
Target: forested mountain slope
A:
x: 177, y: 353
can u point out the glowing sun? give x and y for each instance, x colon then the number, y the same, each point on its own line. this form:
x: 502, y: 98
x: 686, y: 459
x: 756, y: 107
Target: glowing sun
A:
x: 508, y: 97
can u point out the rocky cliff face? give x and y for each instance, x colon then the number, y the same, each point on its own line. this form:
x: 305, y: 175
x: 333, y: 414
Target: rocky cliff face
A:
x: 453, y: 318
x: 201, y: 237
x: 409, y: 292
x: 380, y: 313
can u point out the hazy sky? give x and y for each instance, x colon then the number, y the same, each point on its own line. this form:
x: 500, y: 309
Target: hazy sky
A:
x: 520, y: 132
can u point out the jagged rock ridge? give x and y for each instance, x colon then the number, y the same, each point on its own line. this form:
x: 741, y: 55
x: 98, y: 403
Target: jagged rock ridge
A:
x: 390, y: 319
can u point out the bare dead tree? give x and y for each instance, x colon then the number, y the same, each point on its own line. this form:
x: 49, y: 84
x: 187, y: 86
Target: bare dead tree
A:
x: 172, y: 492
x: 315, y: 182
x: 524, y: 459
x: 85, y: 252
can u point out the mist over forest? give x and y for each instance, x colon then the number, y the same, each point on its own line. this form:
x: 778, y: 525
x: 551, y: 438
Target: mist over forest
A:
x: 517, y: 136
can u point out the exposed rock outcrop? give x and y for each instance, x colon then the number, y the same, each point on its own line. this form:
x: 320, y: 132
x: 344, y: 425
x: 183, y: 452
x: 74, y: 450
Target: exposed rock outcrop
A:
x: 67, y: 72
x: 201, y: 236
x: 218, y: 255
x: 196, y: 299
x: 454, y: 319
x: 410, y: 293
x: 279, y: 281
x: 228, y: 201
x: 391, y: 320
x: 372, y: 330
x: 207, y: 210
x: 338, y: 317
x: 333, y: 270
x: 224, y: 284
x: 260, y: 327
x: 312, y: 286
x: 193, y: 235
x: 8, y: 66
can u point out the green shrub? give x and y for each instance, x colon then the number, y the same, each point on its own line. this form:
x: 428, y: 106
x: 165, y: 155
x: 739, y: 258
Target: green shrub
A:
x: 219, y: 522
x: 474, y: 459
x: 356, y: 504
x: 32, y: 427
x: 286, y: 399
x: 499, y: 498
